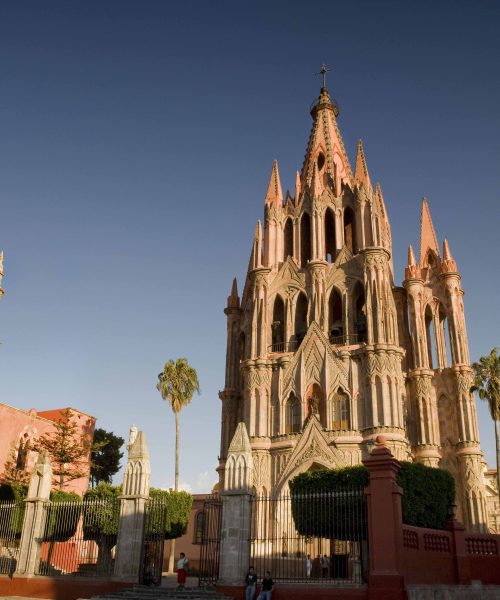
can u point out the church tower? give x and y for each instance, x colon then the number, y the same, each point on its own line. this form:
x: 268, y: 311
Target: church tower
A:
x: 325, y: 353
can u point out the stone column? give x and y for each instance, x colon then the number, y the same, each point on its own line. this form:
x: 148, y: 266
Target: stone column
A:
x: 34, y: 517
x: 236, y: 510
x: 385, y: 525
x: 132, y: 510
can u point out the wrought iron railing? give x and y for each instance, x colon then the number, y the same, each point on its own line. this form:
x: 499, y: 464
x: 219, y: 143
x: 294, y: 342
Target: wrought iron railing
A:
x: 11, y: 523
x: 330, y: 528
x: 210, y: 541
x: 335, y: 340
x: 79, y: 537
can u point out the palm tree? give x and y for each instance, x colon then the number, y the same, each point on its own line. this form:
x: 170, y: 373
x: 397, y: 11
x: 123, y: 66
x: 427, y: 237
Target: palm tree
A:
x: 487, y: 384
x: 177, y: 383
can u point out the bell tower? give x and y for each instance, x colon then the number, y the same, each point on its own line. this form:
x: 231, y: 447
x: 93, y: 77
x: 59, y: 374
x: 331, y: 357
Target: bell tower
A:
x: 325, y: 352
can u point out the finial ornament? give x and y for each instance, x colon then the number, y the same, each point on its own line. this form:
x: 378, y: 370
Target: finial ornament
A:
x: 323, y: 71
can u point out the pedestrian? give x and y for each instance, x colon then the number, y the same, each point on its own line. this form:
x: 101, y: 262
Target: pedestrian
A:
x: 267, y: 587
x: 309, y: 566
x: 181, y: 571
x: 250, y: 583
x: 325, y: 565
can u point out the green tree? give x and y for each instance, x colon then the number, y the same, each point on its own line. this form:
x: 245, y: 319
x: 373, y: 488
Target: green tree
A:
x: 487, y: 384
x: 101, y: 517
x: 105, y: 456
x: 14, y: 470
x: 68, y: 447
x: 177, y: 383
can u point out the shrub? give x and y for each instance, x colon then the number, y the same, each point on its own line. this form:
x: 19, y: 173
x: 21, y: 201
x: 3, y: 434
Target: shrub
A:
x: 168, y: 512
x: 427, y: 495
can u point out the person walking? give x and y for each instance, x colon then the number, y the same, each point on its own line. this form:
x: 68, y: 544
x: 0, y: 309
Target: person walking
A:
x: 267, y: 587
x: 181, y: 571
x: 250, y: 584
x: 309, y: 566
x: 325, y: 566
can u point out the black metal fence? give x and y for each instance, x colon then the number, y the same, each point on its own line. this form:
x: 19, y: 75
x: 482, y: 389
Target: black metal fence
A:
x: 79, y: 537
x: 210, y: 542
x: 11, y: 523
x: 317, y: 536
x: 154, y: 541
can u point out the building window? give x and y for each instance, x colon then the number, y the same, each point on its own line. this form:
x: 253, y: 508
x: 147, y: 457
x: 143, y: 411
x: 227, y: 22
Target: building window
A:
x: 292, y: 420
x: 340, y: 411
x: 199, y: 526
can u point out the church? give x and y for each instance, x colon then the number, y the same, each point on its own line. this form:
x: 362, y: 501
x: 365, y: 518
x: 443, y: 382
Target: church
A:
x: 325, y: 352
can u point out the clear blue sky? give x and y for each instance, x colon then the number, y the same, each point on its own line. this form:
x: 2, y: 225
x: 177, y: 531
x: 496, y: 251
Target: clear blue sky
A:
x: 136, y: 143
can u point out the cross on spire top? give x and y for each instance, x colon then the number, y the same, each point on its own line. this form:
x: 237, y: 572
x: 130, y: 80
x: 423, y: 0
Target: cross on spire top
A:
x: 323, y: 71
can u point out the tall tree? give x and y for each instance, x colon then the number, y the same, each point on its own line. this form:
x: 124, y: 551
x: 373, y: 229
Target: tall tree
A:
x: 177, y: 383
x: 487, y: 384
x: 68, y: 447
x: 105, y: 456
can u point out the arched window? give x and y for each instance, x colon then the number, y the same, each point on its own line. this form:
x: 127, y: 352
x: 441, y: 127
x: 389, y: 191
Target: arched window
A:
x: 350, y: 230
x: 359, y: 313
x: 292, y: 417
x: 330, y: 235
x: 431, y: 339
x: 305, y: 239
x: 335, y: 318
x: 278, y: 326
x: 301, y: 317
x: 340, y: 410
x: 368, y: 226
x: 199, y: 527
x: 288, y: 235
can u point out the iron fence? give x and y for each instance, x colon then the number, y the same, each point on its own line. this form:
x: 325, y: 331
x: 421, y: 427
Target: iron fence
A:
x: 210, y: 541
x: 79, y: 537
x: 317, y: 536
x: 11, y: 524
x: 153, y: 541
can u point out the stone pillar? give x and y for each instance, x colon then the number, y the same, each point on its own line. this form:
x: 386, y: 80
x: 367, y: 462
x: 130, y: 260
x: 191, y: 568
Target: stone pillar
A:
x: 462, y: 564
x: 34, y: 517
x: 236, y: 510
x: 385, y: 525
x: 135, y: 494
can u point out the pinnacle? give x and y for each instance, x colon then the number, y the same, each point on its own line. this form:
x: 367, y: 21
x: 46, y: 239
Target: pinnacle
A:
x: 411, y: 257
x: 428, y: 238
x: 297, y: 186
x: 361, y: 175
x: 274, y: 191
x: 315, y: 182
x: 233, y: 300
x: 446, y: 250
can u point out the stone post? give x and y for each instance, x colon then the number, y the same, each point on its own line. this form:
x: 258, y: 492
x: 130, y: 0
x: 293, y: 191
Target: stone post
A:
x: 34, y: 517
x: 135, y: 494
x: 385, y: 525
x: 236, y: 510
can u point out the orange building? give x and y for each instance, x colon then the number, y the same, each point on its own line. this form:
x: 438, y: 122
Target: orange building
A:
x: 19, y: 430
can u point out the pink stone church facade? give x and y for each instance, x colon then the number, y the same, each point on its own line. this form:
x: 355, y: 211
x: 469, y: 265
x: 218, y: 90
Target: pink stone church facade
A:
x: 322, y: 330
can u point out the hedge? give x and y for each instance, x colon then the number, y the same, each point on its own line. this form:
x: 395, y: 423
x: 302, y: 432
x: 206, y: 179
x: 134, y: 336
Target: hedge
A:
x: 168, y: 514
x: 428, y: 494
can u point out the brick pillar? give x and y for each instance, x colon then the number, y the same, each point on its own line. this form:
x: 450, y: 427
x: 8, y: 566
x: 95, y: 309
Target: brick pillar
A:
x: 34, y: 517
x: 385, y: 525
x: 462, y: 564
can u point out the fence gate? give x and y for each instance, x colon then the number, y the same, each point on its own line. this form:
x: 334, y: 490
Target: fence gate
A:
x: 153, y: 541
x: 320, y: 536
x: 11, y: 524
x: 210, y: 541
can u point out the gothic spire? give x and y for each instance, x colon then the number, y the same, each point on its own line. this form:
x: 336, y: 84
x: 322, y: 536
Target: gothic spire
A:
x: 257, y: 247
x: 298, y: 187
x: 428, y: 240
x: 411, y: 257
x: 448, y: 265
x: 233, y: 300
x: 361, y: 176
x: 274, y: 192
x: 325, y: 148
